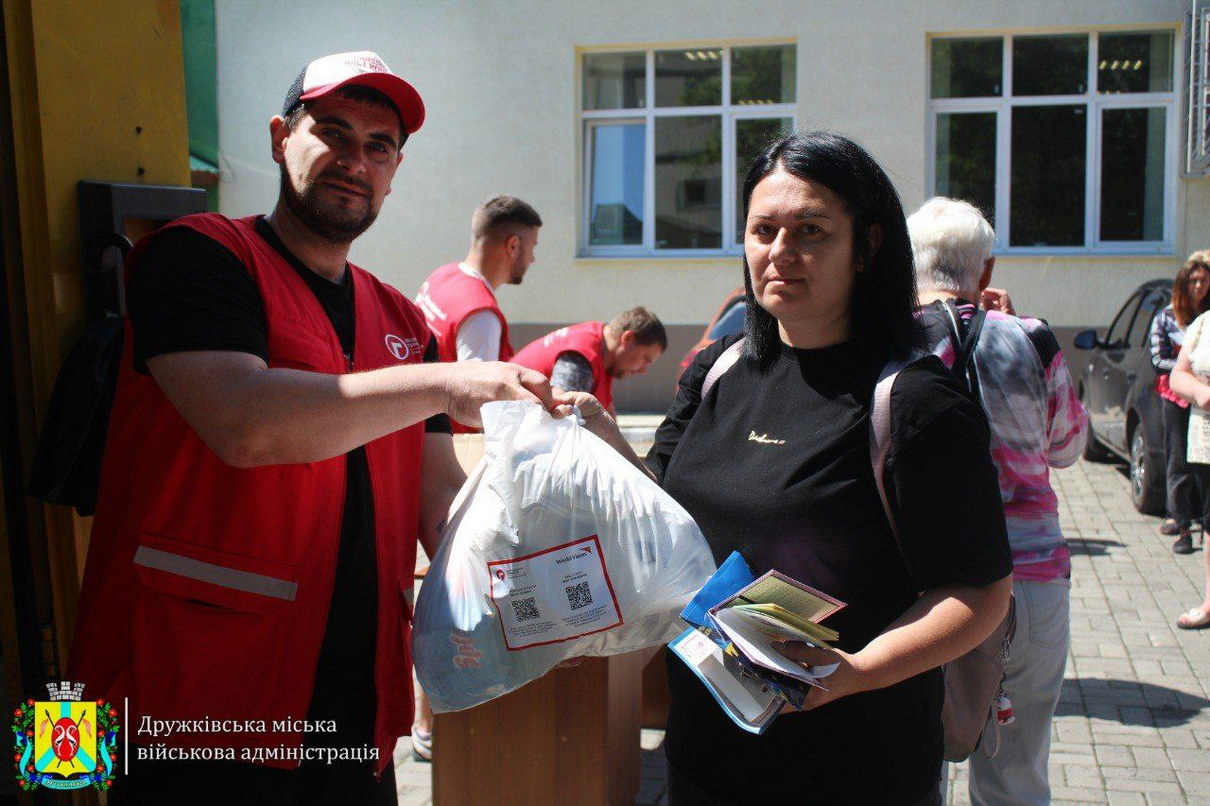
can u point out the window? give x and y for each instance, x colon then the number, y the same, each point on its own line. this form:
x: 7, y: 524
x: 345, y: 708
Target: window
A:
x: 668, y: 138
x: 1197, y: 92
x: 1115, y: 337
x: 1064, y: 141
x: 1140, y: 333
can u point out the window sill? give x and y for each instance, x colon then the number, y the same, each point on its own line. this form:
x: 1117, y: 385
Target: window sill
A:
x: 1165, y: 251
x: 639, y: 253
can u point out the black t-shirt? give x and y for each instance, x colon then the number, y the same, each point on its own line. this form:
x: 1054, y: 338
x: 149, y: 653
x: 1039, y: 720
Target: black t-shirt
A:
x: 190, y: 292
x: 777, y: 466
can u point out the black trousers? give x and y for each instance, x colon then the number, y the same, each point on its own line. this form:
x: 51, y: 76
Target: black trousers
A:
x: 1184, y: 498
x: 1201, y: 478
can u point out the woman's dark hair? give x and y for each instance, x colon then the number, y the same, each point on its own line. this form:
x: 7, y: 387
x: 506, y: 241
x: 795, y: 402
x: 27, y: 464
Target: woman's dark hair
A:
x: 884, y: 293
x: 1182, y: 305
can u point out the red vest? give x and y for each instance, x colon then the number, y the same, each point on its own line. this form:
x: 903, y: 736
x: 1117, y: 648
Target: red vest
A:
x: 447, y: 298
x: 587, y: 339
x: 207, y: 587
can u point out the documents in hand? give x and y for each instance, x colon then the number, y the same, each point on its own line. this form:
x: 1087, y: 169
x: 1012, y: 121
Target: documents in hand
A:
x: 732, y: 646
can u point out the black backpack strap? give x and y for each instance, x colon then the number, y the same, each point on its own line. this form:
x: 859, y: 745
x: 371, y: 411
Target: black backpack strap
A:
x: 964, y: 345
x: 966, y: 353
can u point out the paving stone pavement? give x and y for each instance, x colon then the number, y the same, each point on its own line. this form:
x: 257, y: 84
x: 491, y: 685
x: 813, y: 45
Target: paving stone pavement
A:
x: 1133, y: 722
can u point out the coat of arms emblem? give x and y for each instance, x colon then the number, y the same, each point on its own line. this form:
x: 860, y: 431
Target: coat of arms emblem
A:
x: 64, y: 742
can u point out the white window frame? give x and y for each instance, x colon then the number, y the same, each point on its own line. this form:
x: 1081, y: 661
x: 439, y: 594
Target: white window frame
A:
x: 1095, y: 105
x: 730, y: 113
x: 1197, y: 90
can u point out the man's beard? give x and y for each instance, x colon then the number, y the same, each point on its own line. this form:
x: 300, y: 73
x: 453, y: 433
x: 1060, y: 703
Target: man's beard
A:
x: 335, y: 226
x: 517, y: 273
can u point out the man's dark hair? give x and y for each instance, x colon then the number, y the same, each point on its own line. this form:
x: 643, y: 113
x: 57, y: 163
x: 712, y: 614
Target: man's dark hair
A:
x: 354, y: 92
x: 503, y: 216
x: 646, y: 326
x: 884, y: 293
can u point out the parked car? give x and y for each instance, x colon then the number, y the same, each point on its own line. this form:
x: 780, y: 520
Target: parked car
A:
x: 1117, y: 386
x: 728, y: 319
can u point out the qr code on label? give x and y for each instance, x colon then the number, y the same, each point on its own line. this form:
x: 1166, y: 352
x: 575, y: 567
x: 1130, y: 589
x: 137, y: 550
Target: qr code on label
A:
x: 525, y: 609
x: 578, y: 596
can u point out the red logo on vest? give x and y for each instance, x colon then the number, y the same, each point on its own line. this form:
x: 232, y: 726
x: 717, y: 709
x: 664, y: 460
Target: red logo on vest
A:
x: 402, y: 348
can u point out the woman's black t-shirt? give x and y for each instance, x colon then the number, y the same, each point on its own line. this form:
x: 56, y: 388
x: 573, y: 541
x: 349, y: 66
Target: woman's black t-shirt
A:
x: 776, y: 465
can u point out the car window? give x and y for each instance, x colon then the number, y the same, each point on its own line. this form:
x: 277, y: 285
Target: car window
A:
x: 731, y: 322
x: 1122, y: 322
x: 1140, y: 329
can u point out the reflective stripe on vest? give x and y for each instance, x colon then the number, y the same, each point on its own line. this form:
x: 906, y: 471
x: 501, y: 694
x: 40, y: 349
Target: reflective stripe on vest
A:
x: 219, y: 575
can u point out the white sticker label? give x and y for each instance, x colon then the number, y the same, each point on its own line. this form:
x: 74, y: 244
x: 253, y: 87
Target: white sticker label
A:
x: 697, y: 647
x: 554, y: 595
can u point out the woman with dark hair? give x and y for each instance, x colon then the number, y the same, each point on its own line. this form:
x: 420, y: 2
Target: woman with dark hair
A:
x: 1189, y: 300
x: 774, y: 462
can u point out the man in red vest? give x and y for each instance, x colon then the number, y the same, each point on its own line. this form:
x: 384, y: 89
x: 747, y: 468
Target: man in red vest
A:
x: 248, y: 579
x: 459, y: 299
x: 588, y: 357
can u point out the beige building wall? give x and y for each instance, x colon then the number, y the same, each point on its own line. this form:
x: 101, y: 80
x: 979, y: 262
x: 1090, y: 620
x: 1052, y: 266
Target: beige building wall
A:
x: 501, y: 83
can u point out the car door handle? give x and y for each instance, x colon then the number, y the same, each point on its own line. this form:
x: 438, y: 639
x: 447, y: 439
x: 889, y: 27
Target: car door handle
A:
x: 1105, y: 374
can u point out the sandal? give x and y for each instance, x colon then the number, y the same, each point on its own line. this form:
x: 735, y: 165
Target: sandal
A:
x: 1184, y: 543
x: 1195, y: 619
x: 422, y: 746
x: 1170, y: 527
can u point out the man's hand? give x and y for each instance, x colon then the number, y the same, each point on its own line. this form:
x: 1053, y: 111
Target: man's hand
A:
x: 996, y: 299
x: 472, y: 383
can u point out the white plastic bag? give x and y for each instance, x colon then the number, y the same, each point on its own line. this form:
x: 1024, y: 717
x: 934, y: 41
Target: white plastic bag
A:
x: 556, y: 547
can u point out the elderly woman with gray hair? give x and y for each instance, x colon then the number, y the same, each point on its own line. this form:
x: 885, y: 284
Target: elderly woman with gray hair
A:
x: 1015, y: 368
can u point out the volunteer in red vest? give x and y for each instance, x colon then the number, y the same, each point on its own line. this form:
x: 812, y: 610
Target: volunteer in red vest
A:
x: 459, y: 299
x: 590, y: 356
x: 249, y: 573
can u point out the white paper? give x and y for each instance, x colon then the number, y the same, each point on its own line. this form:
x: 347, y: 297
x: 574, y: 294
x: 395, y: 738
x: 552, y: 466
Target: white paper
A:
x: 758, y: 645
x: 553, y: 595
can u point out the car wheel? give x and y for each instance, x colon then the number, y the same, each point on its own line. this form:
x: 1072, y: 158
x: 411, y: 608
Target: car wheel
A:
x: 1094, y: 451
x: 1146, y: 479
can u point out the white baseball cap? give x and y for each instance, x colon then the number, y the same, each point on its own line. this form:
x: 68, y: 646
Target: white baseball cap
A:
x: 364, y: 68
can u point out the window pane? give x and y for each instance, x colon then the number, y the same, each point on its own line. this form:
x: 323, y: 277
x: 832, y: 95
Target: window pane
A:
x: 688, y: 182
x: 1047, y: 177
x: 1050, y: 65
x: 763, y: 75
x: 615, y: 80
x: 1135, y: 62
x: 1122, y: 322
x: 689, y: 77
x: 966, y: 159
x: 967, y: 68
x: 617, y: 184
x: 751, y: 137
x: 1132, y: 174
